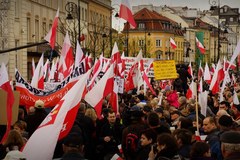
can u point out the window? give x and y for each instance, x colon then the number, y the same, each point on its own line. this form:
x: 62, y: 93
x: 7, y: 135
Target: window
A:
x: 44, y: 28
x: 28, y: 29
x: 82, y: 13
x: 17, y: 9
x: 36, y: 29
x: 141, y: 25
x: 158, y: 43
x: 231, y: 19
x: 140, y: 42
x: 85, y: 14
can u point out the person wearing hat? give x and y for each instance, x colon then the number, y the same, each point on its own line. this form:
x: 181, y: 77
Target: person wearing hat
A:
x: 230, y: 145
x: 73, y: 147
x: 35, y: 119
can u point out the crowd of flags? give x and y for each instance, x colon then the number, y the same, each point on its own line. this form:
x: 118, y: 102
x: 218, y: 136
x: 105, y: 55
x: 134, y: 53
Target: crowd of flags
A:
x: 59, y: 121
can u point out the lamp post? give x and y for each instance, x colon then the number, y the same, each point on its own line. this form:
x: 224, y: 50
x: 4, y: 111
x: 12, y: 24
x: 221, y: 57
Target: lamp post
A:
x: 73, y: 8
x: 216, y: 4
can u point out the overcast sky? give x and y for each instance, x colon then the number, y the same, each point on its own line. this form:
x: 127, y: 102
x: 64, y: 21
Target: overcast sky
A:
x: 199, y: 4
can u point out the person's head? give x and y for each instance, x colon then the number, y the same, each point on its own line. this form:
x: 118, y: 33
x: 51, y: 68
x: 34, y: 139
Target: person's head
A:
x: 184, y: 123
x: 82, y: 108
x: 90, y: 112
x: 159, y: 112
x: 111, y: 117
x: 14, y: 139
x: 166, y: 145
x: 230, y: 143
x: 209, y: 124
x: 182, y: 100
x: 39, y: 104
x: 200, y: 149
x: 153, y: 119
x: 73, y: 143
x: 183, y: 137
x: 225, y: 122
x: 20, y: 126
x: 175, y: 115
x: 148, y: 137
x: 224, y: 105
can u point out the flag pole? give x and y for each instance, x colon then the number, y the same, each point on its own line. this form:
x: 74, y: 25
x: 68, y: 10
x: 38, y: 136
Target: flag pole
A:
x: 197, y: 120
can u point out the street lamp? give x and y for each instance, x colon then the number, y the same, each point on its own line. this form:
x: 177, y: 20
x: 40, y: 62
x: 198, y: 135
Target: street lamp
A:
x: 73, y: 8
x: 216, y: 4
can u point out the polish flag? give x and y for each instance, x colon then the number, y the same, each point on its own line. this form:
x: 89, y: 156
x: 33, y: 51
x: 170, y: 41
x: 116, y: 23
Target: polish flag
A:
x: 173, y: 44
x: 200, y: 71
x: 51, y: 36
x: 116, y: 57
x: 6, y: 86
x: 116, y: 157
x: 207, y: 75
x: 114, y: 97
x: 200, y: 86
x: 52, y: 71
x: 38, y: 76
x: 42, y: 143
x: 100, y: 90
x: 200, y: 46
x: 79, y: 55
x: 218, y: 76
x: 235, y: 98
x: 126, y: 13
x: 46, y: 68
x: 236, y: 53
x: 131, y: 79
x: 67, y: 52
x: 190, y: 71
x: 33, y: 66
x: 191, y: 92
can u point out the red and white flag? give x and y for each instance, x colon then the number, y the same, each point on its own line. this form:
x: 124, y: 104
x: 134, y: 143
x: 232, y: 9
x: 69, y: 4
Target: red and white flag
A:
x: 100, y: 90
x: 172, y: 43
x: 5, y: 85
x: 218, y: 76
x: 33, y: 66
x: 116, y: 157
x: 235, y: 98
x: 192, y: 91
x: 38, y: 76
x: 190, y: 71
x: 126, y: 13
x: 51, y: 36
x: 200, y: 71
x: 200, y: 46
x: 42, y: 143
x: 79, y: 55
x: 207, y: 75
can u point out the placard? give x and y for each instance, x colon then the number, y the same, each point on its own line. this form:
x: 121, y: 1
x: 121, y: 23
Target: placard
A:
x: 3, y: 102
x: 164, y: 69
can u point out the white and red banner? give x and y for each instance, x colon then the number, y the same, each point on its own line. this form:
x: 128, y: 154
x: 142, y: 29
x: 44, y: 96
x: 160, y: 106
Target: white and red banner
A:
x: 42, y: 143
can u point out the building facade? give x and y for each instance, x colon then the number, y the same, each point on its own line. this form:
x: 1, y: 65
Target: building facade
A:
x: 28, y: 21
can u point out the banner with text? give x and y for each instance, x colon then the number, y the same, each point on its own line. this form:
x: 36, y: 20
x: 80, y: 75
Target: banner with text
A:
x: 165, y: 69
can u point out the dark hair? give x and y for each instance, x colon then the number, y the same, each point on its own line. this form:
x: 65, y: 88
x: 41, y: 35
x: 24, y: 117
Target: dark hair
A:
x: 199, y: 149
x: 153, y: 119
x: 227, y: 104
x: 170, y: 149
x: 184, y: 135
x: 150, y: 134
x: 185, y: 122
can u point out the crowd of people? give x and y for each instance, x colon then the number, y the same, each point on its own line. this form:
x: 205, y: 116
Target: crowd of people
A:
x: 144, y: 128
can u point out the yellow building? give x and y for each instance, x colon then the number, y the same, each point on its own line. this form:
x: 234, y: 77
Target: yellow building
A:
x: 152, y: 35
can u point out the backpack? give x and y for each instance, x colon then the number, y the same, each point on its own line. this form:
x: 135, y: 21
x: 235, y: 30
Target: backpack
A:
x: 132, y: 143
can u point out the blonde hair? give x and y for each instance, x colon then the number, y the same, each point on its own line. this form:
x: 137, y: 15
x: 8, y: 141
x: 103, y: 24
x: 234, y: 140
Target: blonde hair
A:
x: 90, y: 112
x: 14, y: 139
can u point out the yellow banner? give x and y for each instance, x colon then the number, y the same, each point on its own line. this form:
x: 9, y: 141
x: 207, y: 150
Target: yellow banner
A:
x: 165, y: 69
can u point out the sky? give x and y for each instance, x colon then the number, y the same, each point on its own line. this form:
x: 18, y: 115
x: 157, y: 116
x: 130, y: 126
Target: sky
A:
x: 199, y: 4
